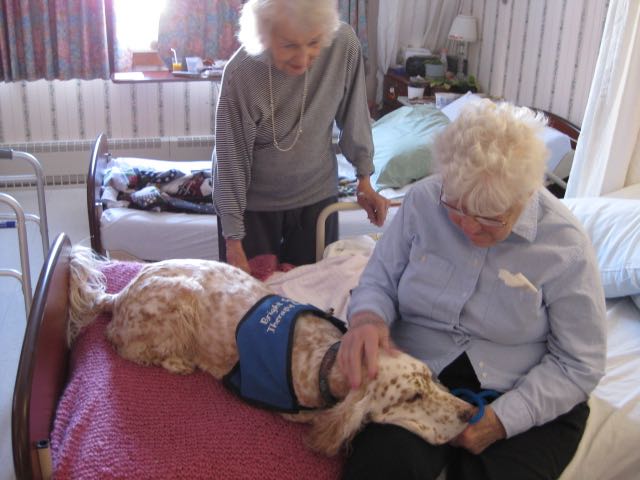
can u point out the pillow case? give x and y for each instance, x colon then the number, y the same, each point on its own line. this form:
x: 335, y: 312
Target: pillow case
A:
x: 613, y: 224
x: 453, y: 109
x: 402, y: 143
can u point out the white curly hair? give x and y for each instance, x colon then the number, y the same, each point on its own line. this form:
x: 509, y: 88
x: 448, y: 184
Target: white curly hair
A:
x: 492, y: 157
x: 259, y: 18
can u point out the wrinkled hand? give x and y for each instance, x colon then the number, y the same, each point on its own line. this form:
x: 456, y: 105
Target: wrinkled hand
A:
x: 375, y: 204
x: 361, y: 345
x: 475, y: 438
x: 236, y: 255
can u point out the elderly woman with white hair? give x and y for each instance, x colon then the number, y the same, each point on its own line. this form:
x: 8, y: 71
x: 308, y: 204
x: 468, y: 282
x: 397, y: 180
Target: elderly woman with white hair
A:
x: 299, y: 69
x: 490, y: 280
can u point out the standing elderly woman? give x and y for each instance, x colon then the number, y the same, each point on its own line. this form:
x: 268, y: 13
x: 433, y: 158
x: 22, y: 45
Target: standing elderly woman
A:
x: 299, y: 69
x: 490, y: 280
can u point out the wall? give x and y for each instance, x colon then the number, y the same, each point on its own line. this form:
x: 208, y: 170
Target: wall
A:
x: 540, y: 53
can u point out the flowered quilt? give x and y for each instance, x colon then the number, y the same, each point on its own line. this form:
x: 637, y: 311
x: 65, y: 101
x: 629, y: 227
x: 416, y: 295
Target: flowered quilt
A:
x: 154, y: 189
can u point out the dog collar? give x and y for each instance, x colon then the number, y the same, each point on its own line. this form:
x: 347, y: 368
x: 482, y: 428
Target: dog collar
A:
x: 323, y: 377
x: 478, y: 399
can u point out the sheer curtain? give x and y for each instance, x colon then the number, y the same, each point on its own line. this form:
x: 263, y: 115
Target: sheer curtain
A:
x: 417, y: 23
x: 199, y: 28
x: 56, y: 39
x: 354, y: 12
x: 608, y: 153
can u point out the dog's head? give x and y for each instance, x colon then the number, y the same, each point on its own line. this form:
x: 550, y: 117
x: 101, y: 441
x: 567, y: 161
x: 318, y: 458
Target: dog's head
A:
x: 404, y: 394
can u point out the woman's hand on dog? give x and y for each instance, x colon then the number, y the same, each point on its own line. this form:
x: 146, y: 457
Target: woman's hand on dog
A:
x: 236, y: 255
x: 360, y: 346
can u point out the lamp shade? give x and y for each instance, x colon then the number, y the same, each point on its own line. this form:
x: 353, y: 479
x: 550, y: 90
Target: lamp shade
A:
x: 463, y: 29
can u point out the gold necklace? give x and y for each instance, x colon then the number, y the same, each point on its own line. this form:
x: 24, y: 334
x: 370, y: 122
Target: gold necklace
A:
x: 273, y: 115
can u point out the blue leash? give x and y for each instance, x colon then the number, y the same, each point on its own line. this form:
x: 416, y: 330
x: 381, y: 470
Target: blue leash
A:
x: 478, y: 399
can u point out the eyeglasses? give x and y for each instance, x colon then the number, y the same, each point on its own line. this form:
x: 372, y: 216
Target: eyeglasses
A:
x: 486, y: 221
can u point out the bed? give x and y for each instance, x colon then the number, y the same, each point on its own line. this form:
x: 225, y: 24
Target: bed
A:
x: 127, y: 233
x: 137, y: 234
x: 87, y: 413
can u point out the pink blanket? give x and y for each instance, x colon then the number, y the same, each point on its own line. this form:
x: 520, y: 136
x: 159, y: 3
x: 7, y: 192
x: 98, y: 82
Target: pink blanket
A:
x: 120, y: 420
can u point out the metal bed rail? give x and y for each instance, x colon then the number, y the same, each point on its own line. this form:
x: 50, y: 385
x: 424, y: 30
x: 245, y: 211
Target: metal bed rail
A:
x: 333, y: 208
x: 19, y: 218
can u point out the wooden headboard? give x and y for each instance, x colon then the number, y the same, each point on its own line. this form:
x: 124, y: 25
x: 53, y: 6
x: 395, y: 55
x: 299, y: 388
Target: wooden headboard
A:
x: 41, y: 376
x: 563, y: 125
x: 99, y: 159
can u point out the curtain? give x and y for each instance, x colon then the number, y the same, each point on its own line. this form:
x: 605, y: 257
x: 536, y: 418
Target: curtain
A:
x: 53, y: 39
x: 199, y: 28
x: 607, y: 157
x: 354, y: 12
x: 416, y: 23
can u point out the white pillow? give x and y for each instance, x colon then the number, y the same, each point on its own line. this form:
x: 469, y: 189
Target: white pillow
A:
x: 613, y: 224
x: 452, y: 110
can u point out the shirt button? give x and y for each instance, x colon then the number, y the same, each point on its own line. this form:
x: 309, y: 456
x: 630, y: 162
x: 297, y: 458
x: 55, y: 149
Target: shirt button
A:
x: 423, y: 258
x: 481, y: 364
x: 484, y: 375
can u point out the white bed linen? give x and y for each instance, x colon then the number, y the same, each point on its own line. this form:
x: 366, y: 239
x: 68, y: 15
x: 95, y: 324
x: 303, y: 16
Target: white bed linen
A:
x: 608, y: 450
x: 127, y: 232
x: 185, y: 235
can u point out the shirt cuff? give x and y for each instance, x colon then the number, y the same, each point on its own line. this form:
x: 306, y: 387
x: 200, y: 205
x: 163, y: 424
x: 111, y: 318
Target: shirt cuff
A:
x: 232, y: 227
x: 513, y: 412
x: 366, y: 302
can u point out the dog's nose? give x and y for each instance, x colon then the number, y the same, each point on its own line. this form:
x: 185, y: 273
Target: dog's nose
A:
x: 465, y: 414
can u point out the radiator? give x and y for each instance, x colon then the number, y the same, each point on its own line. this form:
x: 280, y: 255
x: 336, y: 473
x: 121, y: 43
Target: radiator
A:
x: 67, y: 162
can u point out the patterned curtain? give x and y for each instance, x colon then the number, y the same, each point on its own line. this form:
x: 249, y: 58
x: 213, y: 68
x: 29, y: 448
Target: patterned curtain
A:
x: 53, y: 39
x: 354, y: 12
x: 199, y: 28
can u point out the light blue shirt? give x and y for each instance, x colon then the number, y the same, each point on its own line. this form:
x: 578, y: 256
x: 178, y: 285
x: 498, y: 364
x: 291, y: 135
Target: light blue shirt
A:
x: 539, y: 336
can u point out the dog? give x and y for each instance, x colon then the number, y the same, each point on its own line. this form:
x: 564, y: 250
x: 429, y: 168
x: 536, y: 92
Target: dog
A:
x: 184, y: 314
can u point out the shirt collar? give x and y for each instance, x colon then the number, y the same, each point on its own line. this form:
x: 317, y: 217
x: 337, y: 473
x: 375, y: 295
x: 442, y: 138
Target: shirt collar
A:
x: 527, y: 224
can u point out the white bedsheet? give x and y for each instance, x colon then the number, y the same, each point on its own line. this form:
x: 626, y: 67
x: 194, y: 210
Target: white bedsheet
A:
x: 184, y: 235
x: 608, y: 450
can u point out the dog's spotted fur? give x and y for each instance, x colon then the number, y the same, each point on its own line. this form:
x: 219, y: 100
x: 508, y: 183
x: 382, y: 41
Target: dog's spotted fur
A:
x: 182, y: 315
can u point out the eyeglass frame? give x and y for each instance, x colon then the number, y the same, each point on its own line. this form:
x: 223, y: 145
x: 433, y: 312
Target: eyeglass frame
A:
x: 485, y: 221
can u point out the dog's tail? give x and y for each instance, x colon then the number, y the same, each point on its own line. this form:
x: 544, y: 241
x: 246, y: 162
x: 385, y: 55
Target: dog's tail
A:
x: 87, y: 290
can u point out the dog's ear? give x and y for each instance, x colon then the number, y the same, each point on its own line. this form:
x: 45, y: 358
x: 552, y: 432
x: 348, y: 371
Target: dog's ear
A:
x: 338, y: 425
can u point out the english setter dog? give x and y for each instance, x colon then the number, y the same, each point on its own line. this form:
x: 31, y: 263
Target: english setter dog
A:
x: 184, y: 314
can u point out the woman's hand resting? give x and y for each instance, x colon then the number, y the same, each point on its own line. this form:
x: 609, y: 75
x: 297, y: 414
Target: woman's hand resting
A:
x: 375, y: 204
x: 236, y: 255
x: 475, y: 438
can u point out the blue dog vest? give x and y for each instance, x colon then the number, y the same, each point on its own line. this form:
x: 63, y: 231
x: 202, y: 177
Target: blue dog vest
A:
x: 264, y: 338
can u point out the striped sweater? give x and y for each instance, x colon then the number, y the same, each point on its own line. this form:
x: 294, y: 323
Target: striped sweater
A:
x: 249, y: 172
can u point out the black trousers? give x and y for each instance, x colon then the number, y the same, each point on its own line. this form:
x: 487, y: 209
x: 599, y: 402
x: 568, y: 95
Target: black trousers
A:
x: 288, y: 234
x: 391, y: 452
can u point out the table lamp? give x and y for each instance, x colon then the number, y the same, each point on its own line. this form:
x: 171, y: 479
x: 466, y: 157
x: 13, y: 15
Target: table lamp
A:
x: 463, y: 30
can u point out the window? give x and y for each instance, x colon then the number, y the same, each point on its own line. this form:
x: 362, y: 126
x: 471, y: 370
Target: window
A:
x: 145, y: 32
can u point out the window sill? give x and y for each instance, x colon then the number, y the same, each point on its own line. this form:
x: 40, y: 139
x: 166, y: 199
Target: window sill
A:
x: 160, y: 76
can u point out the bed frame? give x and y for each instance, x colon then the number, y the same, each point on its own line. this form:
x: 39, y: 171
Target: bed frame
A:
x: 42, y: 371
x: 97, y: 165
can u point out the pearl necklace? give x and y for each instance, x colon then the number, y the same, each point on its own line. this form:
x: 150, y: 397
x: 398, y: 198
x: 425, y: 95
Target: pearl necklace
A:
x: 273, y: 115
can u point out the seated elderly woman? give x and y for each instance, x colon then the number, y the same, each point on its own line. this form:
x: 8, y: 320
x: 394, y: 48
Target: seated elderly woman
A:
x: 490, y: 280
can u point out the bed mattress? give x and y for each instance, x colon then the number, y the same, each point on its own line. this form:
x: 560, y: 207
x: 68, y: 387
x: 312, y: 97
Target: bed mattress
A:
x: 183, y: 235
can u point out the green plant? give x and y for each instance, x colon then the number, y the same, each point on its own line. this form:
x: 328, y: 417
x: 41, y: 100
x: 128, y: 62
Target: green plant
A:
x: 454, y: 84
